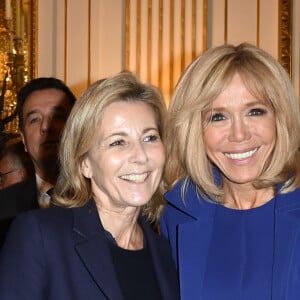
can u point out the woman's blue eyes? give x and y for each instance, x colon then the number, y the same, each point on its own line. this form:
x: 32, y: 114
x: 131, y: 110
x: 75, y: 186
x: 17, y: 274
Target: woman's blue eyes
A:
x: 117, y: 143
x: 257, y: 112
x: 148, y: 138
x: 151, y: 138
x: 217, y: 117
x: 253, y: 112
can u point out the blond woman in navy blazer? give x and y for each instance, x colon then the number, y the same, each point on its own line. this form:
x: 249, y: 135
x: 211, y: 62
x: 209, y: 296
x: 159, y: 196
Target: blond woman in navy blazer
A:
x: 99, y: 242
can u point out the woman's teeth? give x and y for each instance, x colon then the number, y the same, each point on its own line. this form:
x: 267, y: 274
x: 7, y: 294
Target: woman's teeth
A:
x: 241, y: 155
x: 135, y: 177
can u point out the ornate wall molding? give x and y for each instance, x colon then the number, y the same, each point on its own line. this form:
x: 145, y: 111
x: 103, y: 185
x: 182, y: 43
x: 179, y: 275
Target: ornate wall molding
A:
x: 285, y: 22
x: 162, y: 37
x: 18, y: 52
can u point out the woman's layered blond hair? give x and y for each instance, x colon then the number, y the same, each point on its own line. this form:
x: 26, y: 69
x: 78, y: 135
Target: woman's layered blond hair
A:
x: 72, y: 188
x: 200, y: 84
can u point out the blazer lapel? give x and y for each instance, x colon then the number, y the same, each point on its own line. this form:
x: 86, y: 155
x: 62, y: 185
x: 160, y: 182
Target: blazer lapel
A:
x: 93, y: 249
x: 192, y: 256
x: 192, y: 251
x: 286, y: 231
x: 164, y: 268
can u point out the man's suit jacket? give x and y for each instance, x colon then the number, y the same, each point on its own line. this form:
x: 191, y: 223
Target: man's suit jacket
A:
x: 14, y: 200
x: 63, y: 253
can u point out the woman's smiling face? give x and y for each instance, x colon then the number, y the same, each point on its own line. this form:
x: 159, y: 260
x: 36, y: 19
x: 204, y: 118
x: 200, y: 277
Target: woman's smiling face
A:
x: 240, y: 134
x: 126, y: 162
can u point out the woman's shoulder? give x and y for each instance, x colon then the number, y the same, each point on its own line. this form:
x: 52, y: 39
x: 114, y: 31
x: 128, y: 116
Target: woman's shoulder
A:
x: 184, y: 189
x: 45, y: 214
x: 53, y: 218
x: 289, y: 202
x: 186, y: 197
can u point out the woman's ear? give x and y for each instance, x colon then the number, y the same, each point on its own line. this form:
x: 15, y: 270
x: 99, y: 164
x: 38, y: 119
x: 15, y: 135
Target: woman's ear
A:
x: 86, y: 168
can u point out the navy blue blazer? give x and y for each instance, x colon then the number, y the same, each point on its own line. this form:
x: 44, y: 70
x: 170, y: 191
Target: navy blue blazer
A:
x: 14, y: 200
x: 18, y: 198
x: 182, y: 222
x: 63, y: 253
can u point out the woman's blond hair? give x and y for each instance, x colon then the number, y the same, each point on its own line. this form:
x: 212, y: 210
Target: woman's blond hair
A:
x: 72, y: 188
x: 200, y: 84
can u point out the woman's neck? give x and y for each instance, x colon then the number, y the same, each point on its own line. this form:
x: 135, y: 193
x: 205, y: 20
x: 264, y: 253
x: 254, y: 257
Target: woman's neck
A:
x: 245, y: 197
x: 124, y: 227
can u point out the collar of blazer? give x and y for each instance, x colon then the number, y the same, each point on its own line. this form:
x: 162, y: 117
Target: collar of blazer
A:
x: 91, y: 244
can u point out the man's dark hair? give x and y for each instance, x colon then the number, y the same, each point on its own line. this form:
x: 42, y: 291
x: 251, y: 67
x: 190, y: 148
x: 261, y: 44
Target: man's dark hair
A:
x: 37, y: 84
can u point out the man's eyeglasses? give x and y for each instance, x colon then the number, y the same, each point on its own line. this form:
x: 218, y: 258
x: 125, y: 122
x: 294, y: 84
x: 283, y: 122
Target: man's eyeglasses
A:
x: 2, y: 175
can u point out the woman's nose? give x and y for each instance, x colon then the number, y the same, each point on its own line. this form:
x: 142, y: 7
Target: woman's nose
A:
x: 138, y: 153
x: 239, y: 131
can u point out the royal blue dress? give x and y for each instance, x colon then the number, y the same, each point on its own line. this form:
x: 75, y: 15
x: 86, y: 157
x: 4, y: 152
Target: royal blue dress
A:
x: 240, y: 256
x: 227, y: 254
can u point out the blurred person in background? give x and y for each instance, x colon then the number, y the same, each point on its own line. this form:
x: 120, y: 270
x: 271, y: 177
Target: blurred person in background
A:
x: 43, y: 107
x: 15, y: 164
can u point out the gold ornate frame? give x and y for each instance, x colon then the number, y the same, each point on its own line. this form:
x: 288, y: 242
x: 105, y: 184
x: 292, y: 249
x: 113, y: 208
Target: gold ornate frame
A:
x: 285, y: 34
x: 28, y: 34
x: 32, y: 36
x: 18, y: 53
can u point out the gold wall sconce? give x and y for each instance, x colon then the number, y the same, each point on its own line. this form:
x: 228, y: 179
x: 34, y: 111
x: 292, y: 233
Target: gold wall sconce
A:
x: 17, y: 58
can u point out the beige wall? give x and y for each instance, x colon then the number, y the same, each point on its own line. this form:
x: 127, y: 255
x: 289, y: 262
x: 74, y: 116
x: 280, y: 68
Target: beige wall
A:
x: 81, y: 41
x: 77, y: 44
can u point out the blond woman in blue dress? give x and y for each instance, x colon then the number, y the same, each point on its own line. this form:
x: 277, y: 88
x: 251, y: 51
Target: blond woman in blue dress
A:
x: 233, y: 208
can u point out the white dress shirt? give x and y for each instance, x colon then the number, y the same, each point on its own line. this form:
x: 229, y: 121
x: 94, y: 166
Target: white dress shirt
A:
x: 43, y: 187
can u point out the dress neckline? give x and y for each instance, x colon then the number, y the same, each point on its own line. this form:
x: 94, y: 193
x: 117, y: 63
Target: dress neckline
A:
x: 262, y: 207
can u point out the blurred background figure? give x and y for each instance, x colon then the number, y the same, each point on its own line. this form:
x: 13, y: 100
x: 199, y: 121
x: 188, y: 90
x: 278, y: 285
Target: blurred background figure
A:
x: 43, y: 107
x: 15, y: 164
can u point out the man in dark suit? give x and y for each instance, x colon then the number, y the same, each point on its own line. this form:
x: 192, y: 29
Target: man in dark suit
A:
x: 43, y: 107
x: 14, y: 200
x: 15, y: 164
